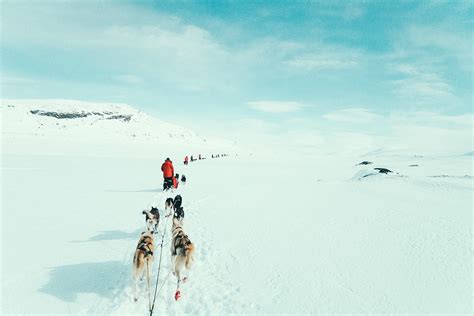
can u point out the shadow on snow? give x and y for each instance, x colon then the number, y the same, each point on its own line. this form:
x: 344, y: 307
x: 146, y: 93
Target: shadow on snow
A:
x: 136, y: 191
x: 102, y: 278
x: 113, y: 235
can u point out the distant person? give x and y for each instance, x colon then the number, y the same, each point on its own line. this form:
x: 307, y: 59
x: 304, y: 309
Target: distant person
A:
x: 183, y: 179
x: 168, y: 174
x: 186, y: 160
x: 192, y: 158
x: 199, y: 156
x: 212, y: 156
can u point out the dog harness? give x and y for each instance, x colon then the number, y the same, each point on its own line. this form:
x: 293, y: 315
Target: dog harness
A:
x: 181, y: 241
x: 145, y: 248
x: 179, y: 213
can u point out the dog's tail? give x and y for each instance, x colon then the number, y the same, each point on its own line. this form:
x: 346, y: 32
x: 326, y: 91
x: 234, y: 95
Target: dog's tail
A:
x: 188, y: 253
x: 137, y: 258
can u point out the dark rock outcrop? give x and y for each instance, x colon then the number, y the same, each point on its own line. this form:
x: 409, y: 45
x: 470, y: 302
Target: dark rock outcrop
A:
x: 74, y: 115
x: 125, y: 118
x: 59, y: 115
x: 364, y: 163
x: 383, y: 170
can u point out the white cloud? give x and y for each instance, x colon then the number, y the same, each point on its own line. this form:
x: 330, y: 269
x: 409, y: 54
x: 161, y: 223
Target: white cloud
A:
x: 441, y: 37
x: 320, y: 62
x: 135, y: 45
x: 432, y: 62
x: 275, y: 106
x: 352, y: 115
x: 324, y: 57
x: 421, y: 86
x: 131, y: 43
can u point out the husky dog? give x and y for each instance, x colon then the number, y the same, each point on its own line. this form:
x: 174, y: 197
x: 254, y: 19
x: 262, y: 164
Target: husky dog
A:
x: 182, y: 250
x: 179, y: 214
x: 169, y: 204
x: 152, y: 219
x: 178, y: 200
x: 175, y: 205
x: 143, y: 259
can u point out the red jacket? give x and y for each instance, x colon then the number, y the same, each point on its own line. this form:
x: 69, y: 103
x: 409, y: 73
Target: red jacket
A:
x: 167, y: 168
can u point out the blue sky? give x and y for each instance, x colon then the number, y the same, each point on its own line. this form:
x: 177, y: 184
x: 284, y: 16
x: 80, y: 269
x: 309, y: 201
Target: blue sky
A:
x: 267, y: 65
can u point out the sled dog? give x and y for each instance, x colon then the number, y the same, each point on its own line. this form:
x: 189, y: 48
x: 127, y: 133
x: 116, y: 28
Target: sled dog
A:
x: 176, y: 207
x: 182, y: 250
x: 178, y: 200
x: 179, y: 214
x: 143, y: 259
x: 169, y: 204
x: 152, y: 219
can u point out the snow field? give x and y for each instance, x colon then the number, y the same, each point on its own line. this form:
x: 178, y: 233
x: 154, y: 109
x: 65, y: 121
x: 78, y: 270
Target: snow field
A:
x: 286, y: 237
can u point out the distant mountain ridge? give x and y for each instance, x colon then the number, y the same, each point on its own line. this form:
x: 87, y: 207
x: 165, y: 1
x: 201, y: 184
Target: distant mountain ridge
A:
x: 79, y: 119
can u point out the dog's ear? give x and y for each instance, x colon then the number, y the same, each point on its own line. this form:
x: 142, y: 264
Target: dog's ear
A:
x: 144, y: 212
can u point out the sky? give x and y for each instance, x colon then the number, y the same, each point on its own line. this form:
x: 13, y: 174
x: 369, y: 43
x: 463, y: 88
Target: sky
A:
x: 267, y: 70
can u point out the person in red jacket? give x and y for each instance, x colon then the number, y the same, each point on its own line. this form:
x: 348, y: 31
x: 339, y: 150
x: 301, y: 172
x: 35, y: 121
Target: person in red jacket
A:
x: 168, y: 174
x: 186, y: 160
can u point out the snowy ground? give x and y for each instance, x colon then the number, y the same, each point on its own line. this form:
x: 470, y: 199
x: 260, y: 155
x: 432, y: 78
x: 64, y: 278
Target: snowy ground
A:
x: 271, y: 237
x: 277, y: 233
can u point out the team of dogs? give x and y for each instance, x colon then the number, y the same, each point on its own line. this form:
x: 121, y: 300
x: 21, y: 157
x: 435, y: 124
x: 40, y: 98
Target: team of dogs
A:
x: 182, y: 249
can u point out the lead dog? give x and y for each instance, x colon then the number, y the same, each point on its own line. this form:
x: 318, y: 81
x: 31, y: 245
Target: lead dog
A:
x: 143, y: 259
x: 175, y: 206
x: 152, y: 219
x: 178, y: 200
x: 182, y: 250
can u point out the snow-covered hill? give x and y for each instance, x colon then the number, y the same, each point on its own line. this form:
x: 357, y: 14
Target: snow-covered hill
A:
x: 58, y: 124
x: 74, y: 119
x: 85, y: 119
